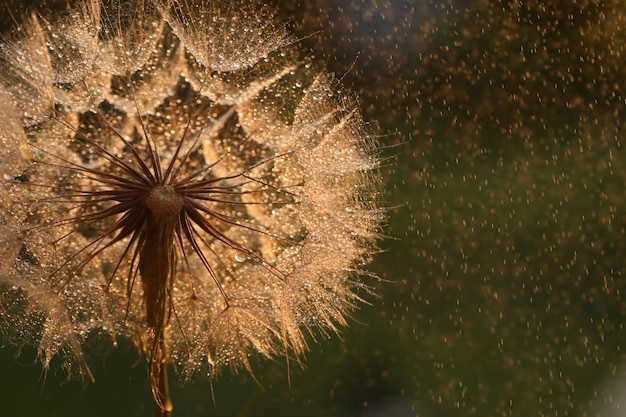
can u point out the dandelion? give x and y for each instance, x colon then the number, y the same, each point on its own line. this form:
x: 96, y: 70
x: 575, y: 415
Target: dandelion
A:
x: 178, y: 173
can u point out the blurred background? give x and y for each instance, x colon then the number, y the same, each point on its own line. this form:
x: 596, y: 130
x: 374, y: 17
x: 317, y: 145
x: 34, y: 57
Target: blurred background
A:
x: 502, y: 280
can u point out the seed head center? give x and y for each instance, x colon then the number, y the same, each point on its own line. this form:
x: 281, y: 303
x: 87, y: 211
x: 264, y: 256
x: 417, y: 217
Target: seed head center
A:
x: 163, y: 200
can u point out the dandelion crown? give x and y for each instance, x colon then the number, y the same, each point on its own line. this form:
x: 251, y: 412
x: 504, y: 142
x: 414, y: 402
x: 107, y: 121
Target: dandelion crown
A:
x: 181, y: 174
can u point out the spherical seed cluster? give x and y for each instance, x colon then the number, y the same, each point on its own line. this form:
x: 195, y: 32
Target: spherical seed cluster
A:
x: 164, y: 201
x: 202, y: 112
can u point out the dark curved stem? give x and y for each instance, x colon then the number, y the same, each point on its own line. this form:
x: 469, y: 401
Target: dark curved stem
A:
x: 162, y: 403
x: 156, y: 267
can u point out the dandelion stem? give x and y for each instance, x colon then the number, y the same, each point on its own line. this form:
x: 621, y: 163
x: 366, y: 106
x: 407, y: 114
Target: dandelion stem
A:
x: 162, y: 402
x: 157, y: 270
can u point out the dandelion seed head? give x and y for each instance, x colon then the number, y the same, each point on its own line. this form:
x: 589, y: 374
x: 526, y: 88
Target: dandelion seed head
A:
x: 178, y: 173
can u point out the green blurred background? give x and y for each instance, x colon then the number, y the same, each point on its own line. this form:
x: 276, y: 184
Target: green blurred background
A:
x: 503, y: 274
